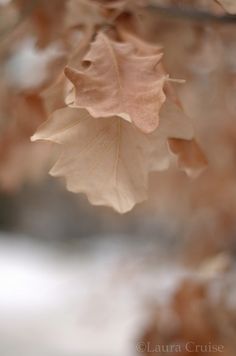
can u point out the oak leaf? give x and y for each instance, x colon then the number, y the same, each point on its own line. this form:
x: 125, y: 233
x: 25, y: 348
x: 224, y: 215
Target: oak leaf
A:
x: 120, y: 82
x: 109, y: 159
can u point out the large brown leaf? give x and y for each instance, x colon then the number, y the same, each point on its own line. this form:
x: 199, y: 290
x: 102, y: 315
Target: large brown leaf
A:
x: 109, y: 159
x: 120, y: 82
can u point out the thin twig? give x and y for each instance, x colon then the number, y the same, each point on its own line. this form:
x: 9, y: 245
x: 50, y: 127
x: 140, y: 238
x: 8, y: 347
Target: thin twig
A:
x: 192, y: 14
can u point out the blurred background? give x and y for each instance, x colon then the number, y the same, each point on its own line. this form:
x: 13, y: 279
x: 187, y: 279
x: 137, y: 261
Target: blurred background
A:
x: 76, y: 279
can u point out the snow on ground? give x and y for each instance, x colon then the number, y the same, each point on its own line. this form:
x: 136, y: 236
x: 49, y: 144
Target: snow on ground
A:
x: 92, y: 301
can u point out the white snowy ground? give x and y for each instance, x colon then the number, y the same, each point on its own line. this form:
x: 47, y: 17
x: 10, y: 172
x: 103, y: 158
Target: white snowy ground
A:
x: 89, y: 302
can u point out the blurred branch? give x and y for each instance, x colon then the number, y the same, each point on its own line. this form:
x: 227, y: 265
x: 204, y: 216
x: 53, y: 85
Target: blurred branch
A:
x: 192, y: 14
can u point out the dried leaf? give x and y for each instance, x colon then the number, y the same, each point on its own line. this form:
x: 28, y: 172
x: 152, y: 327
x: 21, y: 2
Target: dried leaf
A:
x: 120, y: 82
x: 109, y: 159
x: 190, y: 156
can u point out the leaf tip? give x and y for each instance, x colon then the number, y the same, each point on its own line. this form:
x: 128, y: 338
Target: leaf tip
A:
x: 34, y: 137
x: 71, y: 74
